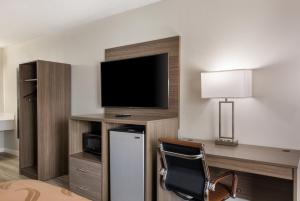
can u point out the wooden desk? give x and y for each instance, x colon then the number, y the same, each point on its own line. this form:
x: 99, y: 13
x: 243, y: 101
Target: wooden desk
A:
x: 264, y: 173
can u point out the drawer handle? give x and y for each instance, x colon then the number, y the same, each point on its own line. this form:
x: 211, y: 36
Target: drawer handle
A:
x: 84, y: 188
x: 82, y: 170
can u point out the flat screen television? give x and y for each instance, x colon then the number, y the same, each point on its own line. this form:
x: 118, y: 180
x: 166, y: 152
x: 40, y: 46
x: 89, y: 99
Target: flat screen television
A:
x: 141, y: 82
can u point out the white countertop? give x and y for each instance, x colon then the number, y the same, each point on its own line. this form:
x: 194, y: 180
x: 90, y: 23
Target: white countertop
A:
x: 7, y: 116
x: 7, y: 121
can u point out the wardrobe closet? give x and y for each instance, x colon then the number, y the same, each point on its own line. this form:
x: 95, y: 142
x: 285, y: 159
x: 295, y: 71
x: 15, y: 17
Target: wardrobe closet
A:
x: 44, y: 110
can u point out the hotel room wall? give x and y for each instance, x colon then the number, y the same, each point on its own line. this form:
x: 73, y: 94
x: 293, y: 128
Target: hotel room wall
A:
x: 1, y: 79
x: 215, y: 35
x: 1, y: 98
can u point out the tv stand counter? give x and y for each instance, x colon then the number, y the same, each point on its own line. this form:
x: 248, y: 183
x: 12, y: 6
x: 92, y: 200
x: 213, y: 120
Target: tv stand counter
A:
x: 155, y: 127
x: 111, y: 118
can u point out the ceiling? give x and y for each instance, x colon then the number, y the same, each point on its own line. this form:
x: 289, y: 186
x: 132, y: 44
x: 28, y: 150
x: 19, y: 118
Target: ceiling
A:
x: 22, y: 20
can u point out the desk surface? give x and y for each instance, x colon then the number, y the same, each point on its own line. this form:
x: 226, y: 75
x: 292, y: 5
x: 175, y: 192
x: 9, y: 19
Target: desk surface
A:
x: 265, y: 155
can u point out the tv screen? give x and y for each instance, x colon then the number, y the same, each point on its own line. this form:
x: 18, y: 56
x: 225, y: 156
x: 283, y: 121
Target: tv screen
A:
x: 136, y: 82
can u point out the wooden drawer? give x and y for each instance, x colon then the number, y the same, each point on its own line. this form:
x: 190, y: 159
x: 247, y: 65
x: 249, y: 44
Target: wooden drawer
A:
x: 250, y: 167
x: 86, y: 186
x: 85, y: 167
x: 85, y: 178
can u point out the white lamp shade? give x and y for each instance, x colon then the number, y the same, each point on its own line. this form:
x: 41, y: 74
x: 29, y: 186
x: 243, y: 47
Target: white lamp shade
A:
x: 226, y: 84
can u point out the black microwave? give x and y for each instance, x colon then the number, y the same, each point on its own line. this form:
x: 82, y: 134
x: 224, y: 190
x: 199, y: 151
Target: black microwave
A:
x: 91, y: 143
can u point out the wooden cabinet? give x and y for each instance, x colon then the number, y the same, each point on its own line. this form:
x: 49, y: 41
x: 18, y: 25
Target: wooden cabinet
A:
x: 44, y: 110
x: 155, y: 126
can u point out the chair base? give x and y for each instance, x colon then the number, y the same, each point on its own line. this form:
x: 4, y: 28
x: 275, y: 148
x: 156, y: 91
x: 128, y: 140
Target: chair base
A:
x: 226, y: 142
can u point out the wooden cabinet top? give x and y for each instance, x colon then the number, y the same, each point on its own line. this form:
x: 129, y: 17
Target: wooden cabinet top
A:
x: 110, y: 118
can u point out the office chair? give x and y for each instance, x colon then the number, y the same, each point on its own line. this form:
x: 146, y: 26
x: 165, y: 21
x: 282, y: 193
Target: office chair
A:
x: 186, y: 173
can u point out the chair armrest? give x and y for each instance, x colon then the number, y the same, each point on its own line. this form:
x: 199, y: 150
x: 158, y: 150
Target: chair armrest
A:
x: 225, y: 175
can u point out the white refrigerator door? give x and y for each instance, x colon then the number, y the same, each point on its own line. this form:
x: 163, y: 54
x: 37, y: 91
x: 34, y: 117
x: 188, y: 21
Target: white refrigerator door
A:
x: 126, y: 166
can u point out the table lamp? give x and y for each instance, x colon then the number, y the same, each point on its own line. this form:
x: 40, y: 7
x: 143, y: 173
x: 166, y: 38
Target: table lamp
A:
x: 226, y: 84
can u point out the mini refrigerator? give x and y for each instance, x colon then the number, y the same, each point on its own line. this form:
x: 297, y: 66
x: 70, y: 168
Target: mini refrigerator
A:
x: 127, y: 164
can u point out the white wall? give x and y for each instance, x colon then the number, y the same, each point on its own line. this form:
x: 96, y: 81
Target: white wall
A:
x: 1, y: 98
x: 216, y: 35
x: 1, y: 80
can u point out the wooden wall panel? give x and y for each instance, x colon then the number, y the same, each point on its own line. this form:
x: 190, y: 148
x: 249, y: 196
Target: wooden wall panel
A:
x: 168, y: 45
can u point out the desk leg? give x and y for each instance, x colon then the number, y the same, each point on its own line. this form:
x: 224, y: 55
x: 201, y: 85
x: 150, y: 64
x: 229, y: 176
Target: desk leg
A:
x: 296, y: 186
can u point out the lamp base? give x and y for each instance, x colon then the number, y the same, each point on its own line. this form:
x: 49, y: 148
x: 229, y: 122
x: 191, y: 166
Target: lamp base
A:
x: 226, y: 142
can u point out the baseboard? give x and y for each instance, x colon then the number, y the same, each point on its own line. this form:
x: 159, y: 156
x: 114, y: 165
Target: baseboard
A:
x: 10, y: 151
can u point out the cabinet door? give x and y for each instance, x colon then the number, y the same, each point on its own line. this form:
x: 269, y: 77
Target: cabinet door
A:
x: 53, y: 110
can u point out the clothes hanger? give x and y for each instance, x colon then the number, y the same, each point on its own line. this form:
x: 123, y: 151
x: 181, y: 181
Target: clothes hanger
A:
x: 30, y: 94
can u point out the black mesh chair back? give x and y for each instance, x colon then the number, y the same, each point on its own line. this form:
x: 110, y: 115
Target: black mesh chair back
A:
x: 185, y: 171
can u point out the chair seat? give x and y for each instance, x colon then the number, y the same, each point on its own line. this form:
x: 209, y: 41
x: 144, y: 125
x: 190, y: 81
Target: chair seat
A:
x: 221, y: 193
